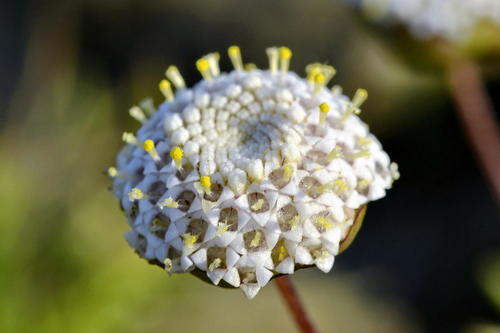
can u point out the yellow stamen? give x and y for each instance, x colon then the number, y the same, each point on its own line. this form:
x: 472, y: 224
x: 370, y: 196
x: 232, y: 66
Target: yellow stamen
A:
x: 222, y: 228
x: 323, y: 222
x: 319, y: 75
x: 168, y: 264
x: 250, y: 66
x: 256, y: 239
x: 364, y: 141
x: 135, y: 194
x: 319, y: 82
x: 176, y: 154
x: 235, y: 56
x: 287, y: 172
x: 285, y: 56
x: 324, y: 109
x: 359, y: 98
x: 273, y: 55
x: 203, y: 67
x: 213, y: 63
x: 173, y: 74
x: 340, y: 186
x: 334, y: 154
x: 364, y: 183
x: 294, y: 222
x: 280, y: 252
x: 136, y: 113
x: 168, y: 202
x: 130, y: 138
x: 166, y: 90
x: 112, y: 172
x: 258, y: 205
x: 149, y: 147
x: 189, y: 239
x: 215, y: 264
x: 206, y: 184
x: 362, y: 153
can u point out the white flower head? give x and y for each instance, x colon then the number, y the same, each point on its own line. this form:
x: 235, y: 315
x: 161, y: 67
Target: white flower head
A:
x: 454, y: 20
x: 248, y: 174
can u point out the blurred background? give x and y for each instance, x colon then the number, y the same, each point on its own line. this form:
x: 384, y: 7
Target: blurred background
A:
x: 426, y: 260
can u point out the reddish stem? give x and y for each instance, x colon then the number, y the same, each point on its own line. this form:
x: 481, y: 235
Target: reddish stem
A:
x: 478, y: 117
x: 292, y: 299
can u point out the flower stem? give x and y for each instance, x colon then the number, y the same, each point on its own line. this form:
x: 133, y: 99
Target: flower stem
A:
x: 291, y: 297
x: 478, y: 117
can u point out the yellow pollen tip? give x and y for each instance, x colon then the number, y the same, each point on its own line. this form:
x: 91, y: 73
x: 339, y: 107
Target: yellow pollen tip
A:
x: 256, y: 239
x: 324, y: 222
x: 319, y: 78
x: 233, y: 51
x: 222, y: 228
x: 340, y: 186
x: 202, y: 65
x: 287, y: 172
x: 258, y: 205
x: 135, y: 194
x: 285, y: 53
x: 168, y: 264
x: 205, y: 181
x: 324, y: 108
x: 112, y: 172
x: 189, y: 239
x: 149, y: 146
x: 359, y: 97
x: 176, y: 154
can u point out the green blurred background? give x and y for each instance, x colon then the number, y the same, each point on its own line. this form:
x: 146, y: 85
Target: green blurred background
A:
x: 427, y: 259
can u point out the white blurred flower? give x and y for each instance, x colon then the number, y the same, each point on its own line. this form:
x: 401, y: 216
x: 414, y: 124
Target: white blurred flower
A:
x: 248, y: 174
x: 454, y: 20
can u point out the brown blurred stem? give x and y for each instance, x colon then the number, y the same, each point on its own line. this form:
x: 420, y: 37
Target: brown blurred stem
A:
x: 292, y: 299
x: 477, y: 116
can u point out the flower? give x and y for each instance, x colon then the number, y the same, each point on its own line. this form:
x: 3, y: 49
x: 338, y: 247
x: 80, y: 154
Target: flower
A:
x: 248, y: 174
x: 453, y: 20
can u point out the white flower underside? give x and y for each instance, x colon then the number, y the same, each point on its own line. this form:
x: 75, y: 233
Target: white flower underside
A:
x: 454, y: 20
x: 244, y: 176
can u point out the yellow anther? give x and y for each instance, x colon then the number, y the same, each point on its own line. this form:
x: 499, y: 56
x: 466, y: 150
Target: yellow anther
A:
x: 136, y: 113
x: 364, y: 183
x: 130, y: 138
x: 281, y: 252
x: 234, y: 54
x: 340, y: 186
x: 222, y: 228
x: 206, y: 184
x: 166, y: 90
x: 215, y: 264
x: 285, y: 56
x: 334, y: 154
x: 149, y: 147
x: 319, y: 75
x: 362, y: 153
x: 148, y: 105
x: 112, y: 172
x: 173, y: 74
x: 168, y: 264
x: 287, y: 172
x: 135, y: 194
x: 203, y: 67
x: 168, y: 202
x: 294, y: 222
x: 258, y: 205
x: 323, y: 222
x: 364, y: 141
x: 319, y: 78
x: 250, y: 66
x: 177, y: 154
x: 273, y: 56
x: 359, y: 98
x: 256, y: 239
x: 213, y: 63
x: 189, y: 239
x: 324, y: 109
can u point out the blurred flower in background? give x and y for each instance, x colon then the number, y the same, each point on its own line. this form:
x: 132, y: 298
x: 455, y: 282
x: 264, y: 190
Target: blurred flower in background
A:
x: 69, y: 75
